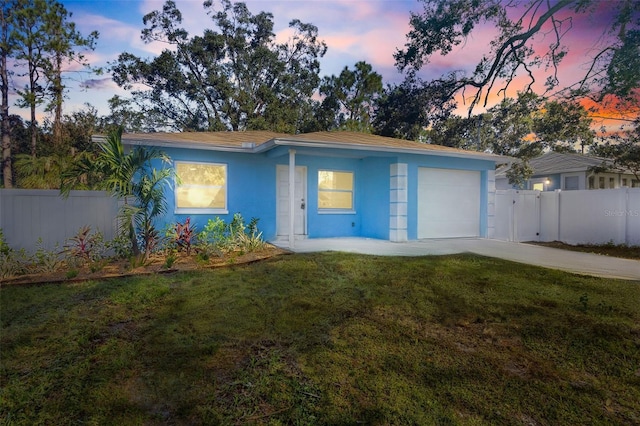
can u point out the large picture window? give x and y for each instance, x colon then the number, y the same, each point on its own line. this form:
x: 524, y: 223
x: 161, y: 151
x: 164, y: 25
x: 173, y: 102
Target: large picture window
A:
x: 201, y: 187
x: 335, y: 190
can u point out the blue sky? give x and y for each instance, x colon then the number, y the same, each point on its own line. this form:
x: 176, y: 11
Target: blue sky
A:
x: 354, y: 30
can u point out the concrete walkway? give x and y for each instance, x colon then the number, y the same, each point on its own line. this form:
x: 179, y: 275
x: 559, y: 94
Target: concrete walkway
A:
x: 571, y: 261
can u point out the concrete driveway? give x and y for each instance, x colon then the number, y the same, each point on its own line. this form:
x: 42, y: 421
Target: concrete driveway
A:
x: 576, y: 262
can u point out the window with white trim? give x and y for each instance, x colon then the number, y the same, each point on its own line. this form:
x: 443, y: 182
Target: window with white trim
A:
x: 201, y: 187
x: 571, y: 183
x: 335, y: 190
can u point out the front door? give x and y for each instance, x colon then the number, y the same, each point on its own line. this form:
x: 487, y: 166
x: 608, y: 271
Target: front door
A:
x: 282, y: 193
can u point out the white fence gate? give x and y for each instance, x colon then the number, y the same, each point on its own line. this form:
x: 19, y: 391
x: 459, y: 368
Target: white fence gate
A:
x: 29, y: 215
x: 573, y: 217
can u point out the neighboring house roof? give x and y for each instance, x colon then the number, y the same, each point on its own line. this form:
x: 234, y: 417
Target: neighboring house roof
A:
x: 261, y: 141
x: 560, y: 162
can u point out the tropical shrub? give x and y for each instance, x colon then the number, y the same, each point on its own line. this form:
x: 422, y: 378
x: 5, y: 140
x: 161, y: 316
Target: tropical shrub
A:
x: 85, y: 246
x: 44, y: 260
x: 12, y: 262
x: 183, y: 236
x: 220, y: 237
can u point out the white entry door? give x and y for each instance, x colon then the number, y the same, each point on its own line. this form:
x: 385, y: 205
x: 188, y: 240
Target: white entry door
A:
x: 282, y: 193
x: 448, y: 203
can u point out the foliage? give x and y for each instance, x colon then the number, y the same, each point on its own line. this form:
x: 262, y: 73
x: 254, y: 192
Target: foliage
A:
x: 127, y: 175
x: 4, y: 247
x: 40, y: 172
x: 184, y: 236
x: 350, y: 97
x: 149, y: 203
x: 406, y: 110
x: 518, y: 48
x: 624, y: 149
x: 232, y: 77
x: 86, y: 246
x: 44, y: 41
x: 170, y: 259
x: 12, y: 263
x: 331, y: 338
x: 44, y: 260
x: 218, y: 237
x: 120, y: 246
x: 213, y: 237
x: 519, y: 173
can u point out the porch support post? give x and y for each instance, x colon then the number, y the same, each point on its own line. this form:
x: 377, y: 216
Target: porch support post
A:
x: 398, y: 202
x: 292, y: 196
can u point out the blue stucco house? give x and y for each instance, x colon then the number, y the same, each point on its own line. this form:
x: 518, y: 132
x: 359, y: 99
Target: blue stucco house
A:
x: 329, y: 184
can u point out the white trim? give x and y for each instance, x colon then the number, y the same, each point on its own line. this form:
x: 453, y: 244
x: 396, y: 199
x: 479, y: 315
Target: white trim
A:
x: 292, y: 142
x: 328, y: 210
x: 579, y: 175
x: 292, y: 196
x: 201, y: 210
x: 192, y: 211
x: 336, y: 211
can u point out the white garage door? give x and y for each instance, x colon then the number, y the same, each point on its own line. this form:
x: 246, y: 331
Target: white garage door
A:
x: 448, y: 203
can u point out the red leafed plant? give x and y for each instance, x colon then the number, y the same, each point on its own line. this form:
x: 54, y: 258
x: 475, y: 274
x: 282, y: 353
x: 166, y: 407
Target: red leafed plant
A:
x: 84, y: 244
x: 184, y: 235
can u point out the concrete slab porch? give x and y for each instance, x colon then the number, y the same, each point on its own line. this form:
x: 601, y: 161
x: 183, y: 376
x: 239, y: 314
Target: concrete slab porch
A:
x: 575, y: 262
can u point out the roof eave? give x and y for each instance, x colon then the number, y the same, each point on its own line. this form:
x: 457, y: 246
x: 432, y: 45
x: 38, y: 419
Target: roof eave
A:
x: 389, y: 149
x: 272, y: 143
x: 178, y: 144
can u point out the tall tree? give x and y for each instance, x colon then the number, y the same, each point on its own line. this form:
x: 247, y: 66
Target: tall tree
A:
x: 29, y: 37
x: 444, y: 25
x: 407, y: 110
x: 6, y: 50
x: 564, y: 125
x: 233, y: 77
x: 350, y: 97
x: 45, y: 41
x: 624, y: 149
x: 64, y: 45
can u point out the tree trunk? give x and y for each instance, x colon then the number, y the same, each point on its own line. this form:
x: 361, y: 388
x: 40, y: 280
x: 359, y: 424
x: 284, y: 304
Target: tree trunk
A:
x: 33, y: 77
x: 6, y: 129
x: 57, y: 99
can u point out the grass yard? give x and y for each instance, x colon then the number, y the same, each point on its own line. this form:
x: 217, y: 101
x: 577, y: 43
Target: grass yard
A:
x: 328, y: 338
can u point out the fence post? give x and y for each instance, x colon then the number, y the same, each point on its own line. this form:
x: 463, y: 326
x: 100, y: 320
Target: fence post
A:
x: 627, y: 215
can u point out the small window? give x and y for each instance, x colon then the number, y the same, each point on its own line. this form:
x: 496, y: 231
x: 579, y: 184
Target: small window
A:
x: 592, y: 182
x: 635, y: 184
x: 601, y: 182
x: 335, y: 190
x: 538, y: 186
x: 571, y: 183
x: 612, y: 182
x: 201, y: 187
x: 625, y: 182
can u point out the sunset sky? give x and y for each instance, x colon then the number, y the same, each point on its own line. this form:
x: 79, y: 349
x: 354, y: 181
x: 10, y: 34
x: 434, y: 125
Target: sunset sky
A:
x: 354, y: 30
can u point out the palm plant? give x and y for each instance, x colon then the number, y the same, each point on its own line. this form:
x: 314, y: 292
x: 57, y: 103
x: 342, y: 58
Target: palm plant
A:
x: 118, y: 172
x: 40, y: 172
x: 148, y: 192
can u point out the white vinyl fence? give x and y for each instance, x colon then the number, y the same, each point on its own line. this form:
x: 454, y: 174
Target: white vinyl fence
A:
x: 574, y: 217
x: 29, y: 215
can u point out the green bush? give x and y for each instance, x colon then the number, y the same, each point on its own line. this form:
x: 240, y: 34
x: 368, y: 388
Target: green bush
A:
x: 219, y: 237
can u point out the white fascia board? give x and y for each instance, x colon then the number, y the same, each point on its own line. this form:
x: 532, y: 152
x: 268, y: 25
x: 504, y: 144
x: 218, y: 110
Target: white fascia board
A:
x: 176, y: 144
x: 359, y: 147
x: 272, y: 143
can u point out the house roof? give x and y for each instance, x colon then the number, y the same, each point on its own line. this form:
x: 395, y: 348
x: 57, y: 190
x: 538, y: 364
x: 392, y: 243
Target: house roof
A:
x: 560, y: 162
x: 261, y: 141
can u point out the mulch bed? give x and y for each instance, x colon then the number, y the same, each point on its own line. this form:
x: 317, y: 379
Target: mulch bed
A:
x: 156, y: 265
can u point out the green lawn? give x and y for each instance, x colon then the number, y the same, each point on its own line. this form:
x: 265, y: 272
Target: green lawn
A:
x: 325, y: 339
